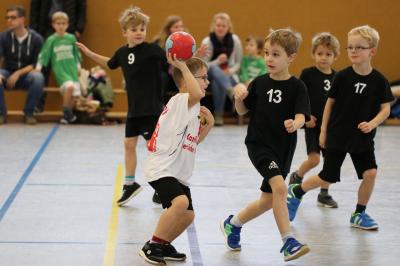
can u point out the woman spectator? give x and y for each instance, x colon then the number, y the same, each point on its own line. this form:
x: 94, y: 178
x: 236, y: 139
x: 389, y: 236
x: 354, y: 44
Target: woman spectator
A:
x: 224, y: 58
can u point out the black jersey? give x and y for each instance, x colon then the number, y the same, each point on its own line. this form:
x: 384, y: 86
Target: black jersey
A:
x: 271, y: 102
x: 318, y: 85
x: 141, y: 66
x: 357, y: 99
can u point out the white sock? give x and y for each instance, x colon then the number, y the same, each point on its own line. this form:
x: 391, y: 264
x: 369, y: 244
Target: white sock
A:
x: 286, y: 236
x: 236, y: 221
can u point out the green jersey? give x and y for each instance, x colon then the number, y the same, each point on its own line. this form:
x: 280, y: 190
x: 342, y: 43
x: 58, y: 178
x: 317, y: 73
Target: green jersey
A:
x: 251, y: 67
x: 64, y: 56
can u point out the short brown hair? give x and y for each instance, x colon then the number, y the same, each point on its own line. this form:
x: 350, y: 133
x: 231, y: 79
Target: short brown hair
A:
x: 132, y: 17
x: 368, y: 33
x: 59, y: 15
x: 287, y: 38
x: 326, y: 39
x: 194, y: 64
x: 17, y: 8
x: 259, y: 42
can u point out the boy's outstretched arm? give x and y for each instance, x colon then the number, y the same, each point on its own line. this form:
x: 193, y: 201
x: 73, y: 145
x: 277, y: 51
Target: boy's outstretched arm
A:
x: 384, y: 113
x: 99, y: 59
x: 191, y: 84
x: 208, y: 122
x: 325, y: 119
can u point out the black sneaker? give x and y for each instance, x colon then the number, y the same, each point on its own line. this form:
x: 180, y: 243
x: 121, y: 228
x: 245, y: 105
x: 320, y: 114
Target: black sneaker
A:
x: 153, y: 253
x: 295, y: 179
x: 128, y: 192
x: 326, y: 200
x: 156, y: 198
x: 170, y: 253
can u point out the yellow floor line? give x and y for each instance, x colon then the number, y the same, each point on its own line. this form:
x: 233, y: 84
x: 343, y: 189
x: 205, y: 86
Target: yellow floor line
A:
x: 109, y: 256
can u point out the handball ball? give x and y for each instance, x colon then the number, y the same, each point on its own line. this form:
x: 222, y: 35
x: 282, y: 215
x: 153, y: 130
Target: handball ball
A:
x: 182, y: 44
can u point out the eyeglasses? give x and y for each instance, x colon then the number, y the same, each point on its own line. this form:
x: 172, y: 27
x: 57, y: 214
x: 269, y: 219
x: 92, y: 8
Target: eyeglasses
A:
x: 356, y: 48
x: 11, y: 17
x: 204, y: 77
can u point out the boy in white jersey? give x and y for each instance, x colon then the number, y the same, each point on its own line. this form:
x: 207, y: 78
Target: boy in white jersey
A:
x: 170, y: 161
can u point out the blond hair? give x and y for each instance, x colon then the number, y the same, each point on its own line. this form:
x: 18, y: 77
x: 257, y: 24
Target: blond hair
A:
x: 162, y: 36
x: 194, y: 64
x: 222, y: 16
x: 325, y: 39
x: 59, y: 15
x: 132, y: 17
x: 287, y: 38
x: 368, y: 33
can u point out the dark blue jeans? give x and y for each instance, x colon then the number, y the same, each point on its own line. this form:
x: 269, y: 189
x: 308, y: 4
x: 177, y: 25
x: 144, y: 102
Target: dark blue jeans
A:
x: 219, y: 84
x: 33, y: 82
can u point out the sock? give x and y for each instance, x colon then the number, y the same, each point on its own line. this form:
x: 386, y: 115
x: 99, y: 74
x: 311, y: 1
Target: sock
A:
x: 298, y: 191
x: 297, y: 175
x: 236, y: 221
x: 68, y: 112
x: 360, y: 208
x: 157, y: 240
x: 286, y: 236
x: 324, y: 191
x: 129, y: 180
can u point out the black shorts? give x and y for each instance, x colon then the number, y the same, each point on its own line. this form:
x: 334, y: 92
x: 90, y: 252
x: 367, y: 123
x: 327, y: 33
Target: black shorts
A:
x: 312, y: 139
x: 267, y: 165
x: 334, y: 159
x: 169, y: 188
x: 144, y: 126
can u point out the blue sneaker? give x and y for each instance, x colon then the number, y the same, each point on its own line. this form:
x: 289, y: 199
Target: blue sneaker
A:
x: 231, y: 233
x: 363, y: 221
x: 292, y: 249
x: 292, y: 202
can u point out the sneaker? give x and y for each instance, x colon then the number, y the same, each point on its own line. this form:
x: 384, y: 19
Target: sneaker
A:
x: 2, y: 120
x: 30, y: 120
x: 128, y: 192
x: 219, y: 120
x: 170, y: 253
x: 292, y: 202
x: 292, y: 249
x: 153, y: 253
x: 66, y: 121
x: 363, y: 221
x: 326, y: 200
x: 156, y: 198
x: 295, y: 179
x: 231, y: 233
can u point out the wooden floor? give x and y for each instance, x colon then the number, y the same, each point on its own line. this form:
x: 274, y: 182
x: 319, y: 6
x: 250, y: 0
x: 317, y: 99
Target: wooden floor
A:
x: 58, y: 185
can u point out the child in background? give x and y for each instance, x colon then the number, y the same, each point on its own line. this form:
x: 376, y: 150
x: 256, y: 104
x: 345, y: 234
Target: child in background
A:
x: 358, y: 102
x: 278, y: 105
x: 181, y: 127
x: 61, y: 50
x: 318, y: 80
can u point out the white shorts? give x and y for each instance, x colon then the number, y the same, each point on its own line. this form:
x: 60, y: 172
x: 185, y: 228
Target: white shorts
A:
x: 76, y: 91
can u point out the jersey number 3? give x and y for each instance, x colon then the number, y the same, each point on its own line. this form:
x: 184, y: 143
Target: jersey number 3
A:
x: 360, y: 87
x: 274, y: 96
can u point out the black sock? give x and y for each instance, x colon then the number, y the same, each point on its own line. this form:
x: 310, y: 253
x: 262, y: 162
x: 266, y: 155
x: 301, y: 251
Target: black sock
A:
x: 298, y: 192
x: 324, y: 191
x: 360, y: 208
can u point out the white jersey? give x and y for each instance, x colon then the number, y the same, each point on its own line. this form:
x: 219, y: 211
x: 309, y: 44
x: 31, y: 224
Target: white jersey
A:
x: 172, y: 147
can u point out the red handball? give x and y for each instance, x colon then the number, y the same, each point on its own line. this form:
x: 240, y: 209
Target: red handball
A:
x: 182, y: 44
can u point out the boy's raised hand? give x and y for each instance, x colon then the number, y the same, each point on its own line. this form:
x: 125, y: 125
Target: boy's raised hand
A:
x: 172, y: 60
x: 83, y: 48
x: 240, y: 93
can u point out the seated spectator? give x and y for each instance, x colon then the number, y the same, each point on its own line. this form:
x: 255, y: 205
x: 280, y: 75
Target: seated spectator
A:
x: 19, y: 50
x: 224, y: 58
x: 60, y: 48
x: 172, y: 24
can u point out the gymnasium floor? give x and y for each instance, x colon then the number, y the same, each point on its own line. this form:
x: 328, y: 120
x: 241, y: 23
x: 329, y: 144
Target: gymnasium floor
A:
x: 58, y: 185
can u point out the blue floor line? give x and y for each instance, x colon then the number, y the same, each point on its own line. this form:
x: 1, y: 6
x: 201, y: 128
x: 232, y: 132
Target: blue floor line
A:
x: 27, y: 172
